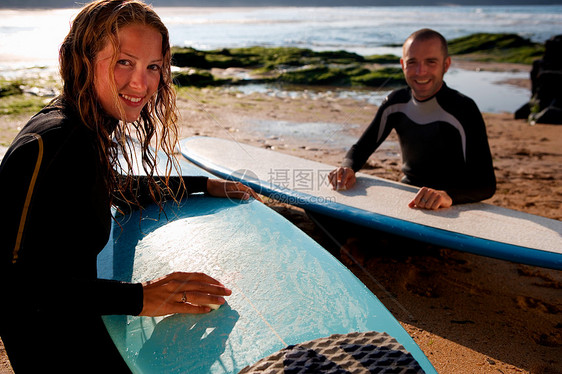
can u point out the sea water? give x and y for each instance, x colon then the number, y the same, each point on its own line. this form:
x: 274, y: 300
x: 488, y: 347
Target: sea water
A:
x: 30, y: 38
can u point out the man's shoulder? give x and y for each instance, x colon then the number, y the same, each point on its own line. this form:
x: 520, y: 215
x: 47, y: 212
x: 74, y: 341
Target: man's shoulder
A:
x: 450, y: 97
x: 398, y: 96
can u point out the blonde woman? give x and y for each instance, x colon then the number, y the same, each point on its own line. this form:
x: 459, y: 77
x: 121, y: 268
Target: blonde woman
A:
x: 58, y: 182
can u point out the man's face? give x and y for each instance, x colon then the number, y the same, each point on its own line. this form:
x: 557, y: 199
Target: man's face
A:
x: 424, y: 65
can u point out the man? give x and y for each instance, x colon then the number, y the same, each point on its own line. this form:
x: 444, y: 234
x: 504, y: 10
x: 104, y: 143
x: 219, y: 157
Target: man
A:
x: 442, y: 133
x: 442, y: 137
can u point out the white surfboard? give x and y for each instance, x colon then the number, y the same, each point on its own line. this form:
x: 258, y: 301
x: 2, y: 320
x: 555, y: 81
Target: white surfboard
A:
x: 378, y: 203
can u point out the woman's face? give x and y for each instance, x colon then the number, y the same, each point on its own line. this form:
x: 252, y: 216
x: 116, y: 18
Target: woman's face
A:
x: 137, y: 71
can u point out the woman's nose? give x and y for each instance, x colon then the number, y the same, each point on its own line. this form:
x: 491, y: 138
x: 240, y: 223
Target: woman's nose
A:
x: 139, y: 79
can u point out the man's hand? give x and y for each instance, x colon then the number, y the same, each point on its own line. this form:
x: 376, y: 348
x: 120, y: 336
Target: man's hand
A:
x: 342, y: 178
x: 428, y: 198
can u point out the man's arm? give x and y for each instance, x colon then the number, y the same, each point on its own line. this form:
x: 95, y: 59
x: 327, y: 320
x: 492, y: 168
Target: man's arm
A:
x: 479, y: 180
x: 344, y: 177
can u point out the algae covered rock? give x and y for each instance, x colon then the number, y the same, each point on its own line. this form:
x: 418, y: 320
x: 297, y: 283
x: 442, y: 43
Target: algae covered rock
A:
x: 286, y: 65
x: 10, y: 88
x: 304, y: 66
x: 496, y: 48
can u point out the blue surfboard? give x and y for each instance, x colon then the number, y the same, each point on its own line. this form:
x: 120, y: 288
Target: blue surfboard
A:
x: 381, y: 204
x: 287, y: 290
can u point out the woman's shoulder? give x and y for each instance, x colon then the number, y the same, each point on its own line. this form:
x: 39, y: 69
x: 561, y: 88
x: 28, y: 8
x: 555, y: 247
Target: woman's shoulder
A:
x: 56, y: 132
x: 50, y: 118
x: 55, y: 123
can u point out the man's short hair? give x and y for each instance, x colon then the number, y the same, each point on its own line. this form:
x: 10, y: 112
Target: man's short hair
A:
x: 428, y: 34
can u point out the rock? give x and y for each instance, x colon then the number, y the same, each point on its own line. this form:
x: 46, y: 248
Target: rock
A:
x: 545, y: 105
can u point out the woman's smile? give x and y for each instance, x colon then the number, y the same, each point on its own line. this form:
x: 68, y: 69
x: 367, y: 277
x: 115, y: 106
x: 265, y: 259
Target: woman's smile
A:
x: 136, y: 72
x: 134, y: 100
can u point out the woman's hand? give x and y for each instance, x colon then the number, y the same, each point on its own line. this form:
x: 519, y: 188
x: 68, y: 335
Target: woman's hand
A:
x: 234, y: 190
x: 428, y: 198
x: 182, y: 293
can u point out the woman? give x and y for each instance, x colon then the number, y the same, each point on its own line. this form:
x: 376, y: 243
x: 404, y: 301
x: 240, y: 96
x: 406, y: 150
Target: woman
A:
x: 57, y: 184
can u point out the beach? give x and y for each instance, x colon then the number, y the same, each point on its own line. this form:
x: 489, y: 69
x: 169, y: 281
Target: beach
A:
x: 468, y: 313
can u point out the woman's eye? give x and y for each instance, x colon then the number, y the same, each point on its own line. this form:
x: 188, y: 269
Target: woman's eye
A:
x: 155, y: 67
x: 124, y: 62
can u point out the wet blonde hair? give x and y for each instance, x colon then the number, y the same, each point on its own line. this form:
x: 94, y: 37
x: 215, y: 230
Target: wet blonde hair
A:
x: 97, y: 24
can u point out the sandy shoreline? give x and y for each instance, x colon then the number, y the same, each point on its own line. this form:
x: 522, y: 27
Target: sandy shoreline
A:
x: 470, y: 314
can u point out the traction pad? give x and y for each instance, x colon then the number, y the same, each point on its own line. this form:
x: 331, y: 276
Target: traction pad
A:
x: 357, y: 353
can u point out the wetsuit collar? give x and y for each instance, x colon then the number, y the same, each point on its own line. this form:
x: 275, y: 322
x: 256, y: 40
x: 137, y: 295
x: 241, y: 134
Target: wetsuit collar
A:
x: 443, y: 86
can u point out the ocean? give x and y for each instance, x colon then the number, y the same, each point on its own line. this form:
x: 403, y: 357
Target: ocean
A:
x: 30, y: 38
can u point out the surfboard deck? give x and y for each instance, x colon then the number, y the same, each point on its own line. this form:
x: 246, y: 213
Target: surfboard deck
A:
x: 381, y: 204
x: 286, y: 288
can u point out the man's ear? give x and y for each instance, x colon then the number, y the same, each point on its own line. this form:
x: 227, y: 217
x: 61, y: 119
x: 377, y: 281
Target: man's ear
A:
x: 447, y: 64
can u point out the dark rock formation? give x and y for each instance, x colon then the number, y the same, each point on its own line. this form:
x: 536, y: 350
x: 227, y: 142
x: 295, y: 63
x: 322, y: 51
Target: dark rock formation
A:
x: 545, y: 105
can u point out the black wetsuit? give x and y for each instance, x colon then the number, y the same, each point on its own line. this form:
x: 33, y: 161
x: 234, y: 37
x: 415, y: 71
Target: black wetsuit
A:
x: 56, y: 218
x: 443, y: 142
x: 444, y: 146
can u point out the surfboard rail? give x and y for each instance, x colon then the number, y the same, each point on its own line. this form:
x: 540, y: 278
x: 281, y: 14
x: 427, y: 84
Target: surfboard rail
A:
x: 478, y: 228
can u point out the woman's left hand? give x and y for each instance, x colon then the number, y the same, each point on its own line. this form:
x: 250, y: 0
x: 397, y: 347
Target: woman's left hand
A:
x: 234, y: 190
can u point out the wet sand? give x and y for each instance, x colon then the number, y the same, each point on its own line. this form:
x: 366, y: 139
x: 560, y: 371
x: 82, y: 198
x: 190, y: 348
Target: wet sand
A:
x: 468, y: 313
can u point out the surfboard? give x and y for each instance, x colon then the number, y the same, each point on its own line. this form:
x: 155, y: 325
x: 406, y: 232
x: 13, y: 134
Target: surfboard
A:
x: 287, y: 291
x: 479, y: 228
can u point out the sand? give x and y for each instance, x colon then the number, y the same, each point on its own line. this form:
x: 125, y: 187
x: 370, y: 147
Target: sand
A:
x: 468, y: 313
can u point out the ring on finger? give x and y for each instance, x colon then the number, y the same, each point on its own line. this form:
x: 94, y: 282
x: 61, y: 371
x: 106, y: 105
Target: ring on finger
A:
x: 184, y: 297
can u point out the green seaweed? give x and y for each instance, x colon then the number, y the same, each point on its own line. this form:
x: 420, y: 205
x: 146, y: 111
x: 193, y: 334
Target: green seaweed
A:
x: 197, y: 78
x: 304, y: 66
x: 496, y: 48
x: 260, y: 57
x: 8, y: 88
x: 350, y: 76
x: 21, y: 104
x: 316, y: 75
x: 380, y: 78
x: 383, y: 59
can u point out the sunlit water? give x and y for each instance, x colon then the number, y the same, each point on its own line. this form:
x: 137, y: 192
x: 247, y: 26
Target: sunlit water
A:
x: 32, y: 37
